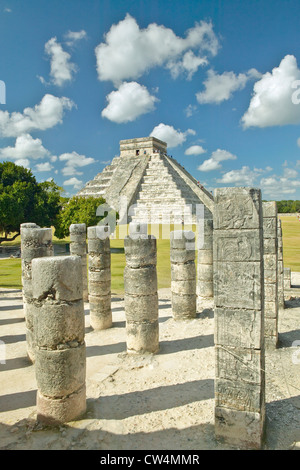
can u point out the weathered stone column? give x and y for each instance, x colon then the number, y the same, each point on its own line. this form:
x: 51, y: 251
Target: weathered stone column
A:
x: 140, y: 288
x: 183, y: 274
x: 280, y: 266
x: 287, y: 278
x: 36, y: 242
x: 99, y: 277
x: 239, y: 317
x: 59, y: 328
x: 205, y: 263
x: 270, y: 272
x: 78, y: 247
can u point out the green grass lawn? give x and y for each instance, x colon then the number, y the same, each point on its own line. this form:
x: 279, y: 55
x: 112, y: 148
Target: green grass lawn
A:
x: 10, y: 269
x: 291, y: 242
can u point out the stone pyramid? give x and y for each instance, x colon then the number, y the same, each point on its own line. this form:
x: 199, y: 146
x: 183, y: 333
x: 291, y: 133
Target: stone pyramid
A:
x: 154, y: 186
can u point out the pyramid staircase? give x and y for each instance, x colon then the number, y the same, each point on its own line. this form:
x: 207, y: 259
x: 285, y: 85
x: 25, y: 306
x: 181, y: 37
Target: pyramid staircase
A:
x: 100, y: 184
x: 164, y: 196
x: 157, y: 189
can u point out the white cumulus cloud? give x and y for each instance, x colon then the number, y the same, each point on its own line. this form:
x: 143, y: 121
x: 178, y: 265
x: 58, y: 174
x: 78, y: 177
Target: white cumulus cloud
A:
x: 129, y: 102
x: 171, y: 136
x: 128, y: 51
x: 244, y: 176
x: 40, y: 167
x: 73, y: 161
x: 44, y: 115
x: 220, y: 87
x: 195, y: 150
x: 25, y: 147
x: 75, y: 182
x: 73, y: 37
x: 272, y: 101
x: 61, y: 68
x: 213, y: 163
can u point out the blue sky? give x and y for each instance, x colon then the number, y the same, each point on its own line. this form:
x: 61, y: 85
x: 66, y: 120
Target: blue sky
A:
x: 219, y: 81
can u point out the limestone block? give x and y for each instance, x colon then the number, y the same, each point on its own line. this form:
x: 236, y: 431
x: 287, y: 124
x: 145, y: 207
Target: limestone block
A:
x: 99, y: 261
x: 58, y: 277
x: 142, y: 337
x: 236, y: 210
x: 238, y: 395
x: 58, y: 323
x: 182, y: 256
x: 141, y: 309
x: 184, y: 287
x: 61, y: 410
x: 232, y: 279
x: 183, y: 272
x: 205, y: 257
x: 140, y: 281
x: 271, y: 309
x: 60, y: 372
x: 270, y: 246
x: 140, y: 251
x: 101, y: 275
x: 238, y: 364
x: 240, y: 428
x: 205, y: 289
x: 237, y: 245
x: 270, y: 227
x: 100, y: 288
x: 183, y: 306
x: 269, y: 209
x: 182, y: 240
x: 232, y: 328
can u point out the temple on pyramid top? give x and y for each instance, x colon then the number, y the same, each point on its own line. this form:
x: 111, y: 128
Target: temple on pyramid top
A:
x: 142, y: 146
x: 152, y: 185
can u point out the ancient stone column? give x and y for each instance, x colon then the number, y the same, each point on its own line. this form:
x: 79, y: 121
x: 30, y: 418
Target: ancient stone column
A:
x: 287, y: 278
x: 60, y: 356
x: 239, y: 317
x: 140, y: 288
x: 183, y: 274
x: 99, y: 277
x: 204, y: 287
x: 270, y: 273
x: 280, y: 266
x: 78, y: 247
x: 36, y: 242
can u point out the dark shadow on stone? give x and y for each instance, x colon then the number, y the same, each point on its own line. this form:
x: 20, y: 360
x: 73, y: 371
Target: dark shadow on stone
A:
x: 11, y: 291
x: 12, y: 298
x: 155, y: 399
x: 283, y: 423
x: 15, y: 401
x: 293, y: 303
x: 11, y: 307
x: 11, y: 339
x: 119, y: 324
x: 105, y: 349
x: 8, y: 321
x: 206, y: 313
x: 16, y: 363
x: 186, y: 344
x: 286, y: 339
x: 118, y: 309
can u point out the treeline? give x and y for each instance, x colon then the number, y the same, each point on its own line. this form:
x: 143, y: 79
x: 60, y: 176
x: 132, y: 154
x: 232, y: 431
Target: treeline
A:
x: 289, y: 206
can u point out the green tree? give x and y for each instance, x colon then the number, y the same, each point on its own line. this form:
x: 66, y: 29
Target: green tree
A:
x: 23, y: 199
x: 79, y: 210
